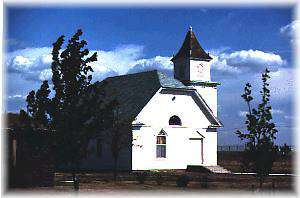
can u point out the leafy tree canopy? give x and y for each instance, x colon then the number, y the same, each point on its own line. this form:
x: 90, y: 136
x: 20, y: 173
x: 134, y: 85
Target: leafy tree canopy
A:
x: 260, y: 134
x: 74, y: 111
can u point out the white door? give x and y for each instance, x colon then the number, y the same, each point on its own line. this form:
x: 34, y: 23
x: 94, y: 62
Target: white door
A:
x: 195, y: 151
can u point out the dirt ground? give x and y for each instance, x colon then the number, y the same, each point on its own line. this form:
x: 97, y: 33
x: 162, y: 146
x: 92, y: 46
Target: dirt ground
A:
x: 232, y: 161
x: 103, y: 182
x: 92, y: 182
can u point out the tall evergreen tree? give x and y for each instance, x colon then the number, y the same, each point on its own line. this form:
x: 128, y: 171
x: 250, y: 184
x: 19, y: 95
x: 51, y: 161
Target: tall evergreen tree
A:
x: 260, y: 135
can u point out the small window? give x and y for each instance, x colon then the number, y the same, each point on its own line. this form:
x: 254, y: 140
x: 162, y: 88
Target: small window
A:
x: 99, y: 147
x: 175, y: 120
x: 161, y: 145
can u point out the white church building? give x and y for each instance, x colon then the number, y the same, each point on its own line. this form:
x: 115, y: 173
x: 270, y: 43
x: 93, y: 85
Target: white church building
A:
x: 174, y: 120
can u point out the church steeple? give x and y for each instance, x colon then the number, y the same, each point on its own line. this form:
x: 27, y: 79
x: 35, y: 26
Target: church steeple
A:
x: 191, y: 63
x: 191, y: 48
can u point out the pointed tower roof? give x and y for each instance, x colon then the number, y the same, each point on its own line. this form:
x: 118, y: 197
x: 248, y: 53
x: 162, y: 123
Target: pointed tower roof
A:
x: 191, y: 48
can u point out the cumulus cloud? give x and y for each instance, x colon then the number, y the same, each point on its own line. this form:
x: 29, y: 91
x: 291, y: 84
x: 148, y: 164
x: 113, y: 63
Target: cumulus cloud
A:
x: 158, y: 62
x: 21, y: 60
x: 245, y: 61
x: 290, y: 29
x: 29, y: 62
x: 221, y: 65
x: 127, y: 59
x: 45, y: 74
x: 119, y: 60
x: 34, y: 63
x: 16, y: 96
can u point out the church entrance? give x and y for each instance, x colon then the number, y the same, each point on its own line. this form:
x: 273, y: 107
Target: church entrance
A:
x: 196, y: 151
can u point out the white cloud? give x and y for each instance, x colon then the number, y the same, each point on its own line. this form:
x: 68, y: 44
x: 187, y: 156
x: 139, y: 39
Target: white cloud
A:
x: 29, y: 62
x: 222, y: 65
x: 158, y: 62
x: 247, y: 61
x: 35, y: 63
x: 45, y: 74
x: 255, y: 56
x: 21, y: 60
x: 291, y: 29
x: 119, y: 60
x: 16, y: 96
x: 46, y: 58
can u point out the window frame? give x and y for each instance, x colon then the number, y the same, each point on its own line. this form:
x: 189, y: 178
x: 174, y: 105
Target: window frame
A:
x: 175, y: 121
x: 161, y: 142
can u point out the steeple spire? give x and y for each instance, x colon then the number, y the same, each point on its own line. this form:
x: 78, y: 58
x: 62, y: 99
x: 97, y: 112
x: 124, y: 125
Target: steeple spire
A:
x: 191, y: 49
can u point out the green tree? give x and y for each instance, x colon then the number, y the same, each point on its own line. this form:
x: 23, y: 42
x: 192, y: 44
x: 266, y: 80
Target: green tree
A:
x: 285, y: 151
x: 119, y: 135
x: 75, y: 111
x: 71, y: 78
x: 38, y: 105
x: 260, y: 134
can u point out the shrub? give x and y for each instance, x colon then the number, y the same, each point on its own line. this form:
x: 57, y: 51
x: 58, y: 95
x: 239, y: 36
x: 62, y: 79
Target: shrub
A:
x: 182, y: 181
x: 285, y: 151
x: 141, y: 177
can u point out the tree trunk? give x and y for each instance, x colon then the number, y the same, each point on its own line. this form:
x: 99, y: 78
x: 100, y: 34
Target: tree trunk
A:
x: 75, y: 179
x: 115, y: 168
x: 261, y: 181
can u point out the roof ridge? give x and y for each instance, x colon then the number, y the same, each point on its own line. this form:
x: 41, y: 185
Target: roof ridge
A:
x: 131, y: 74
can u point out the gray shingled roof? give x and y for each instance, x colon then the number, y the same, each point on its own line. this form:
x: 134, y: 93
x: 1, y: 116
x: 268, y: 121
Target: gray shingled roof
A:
x: 133, y: 91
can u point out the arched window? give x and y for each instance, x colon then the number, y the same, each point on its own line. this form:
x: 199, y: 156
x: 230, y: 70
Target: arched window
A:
x: 161, y: 145
x: 175, y: 120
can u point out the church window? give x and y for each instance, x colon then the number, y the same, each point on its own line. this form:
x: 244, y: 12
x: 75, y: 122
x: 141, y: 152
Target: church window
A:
x: 175, y: 120
x: 161, y: 145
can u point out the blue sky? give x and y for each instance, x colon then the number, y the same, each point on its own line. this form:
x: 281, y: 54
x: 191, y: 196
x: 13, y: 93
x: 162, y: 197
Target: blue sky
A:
x: 243, y: 42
